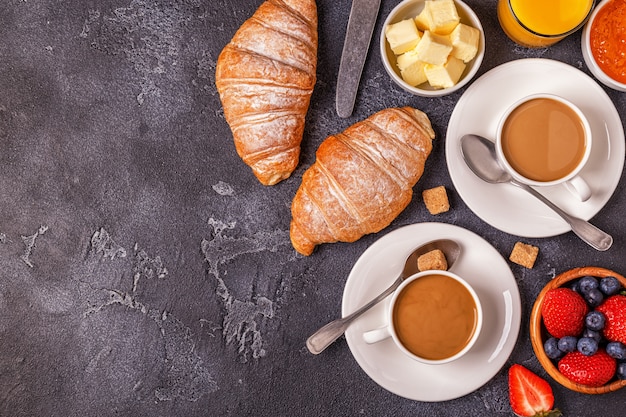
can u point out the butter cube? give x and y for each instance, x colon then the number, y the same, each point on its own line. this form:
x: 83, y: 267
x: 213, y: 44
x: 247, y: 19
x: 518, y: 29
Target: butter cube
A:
x: 464, y: 41
x: 411, y: 68
x: 443, y: 16
x: 402, y: 36
x: 446, y: 75
x: 414, y: 74
x: 406, y: 59
x: 433, y: 49
x: 438, y: 16
x: 422, y: 20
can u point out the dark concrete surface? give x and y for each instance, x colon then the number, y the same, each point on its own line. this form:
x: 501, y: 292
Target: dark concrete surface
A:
x: 145, y: 272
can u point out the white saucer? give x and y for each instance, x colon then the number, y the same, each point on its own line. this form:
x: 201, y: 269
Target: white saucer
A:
x: 478, y: 111
x: 482, y: 266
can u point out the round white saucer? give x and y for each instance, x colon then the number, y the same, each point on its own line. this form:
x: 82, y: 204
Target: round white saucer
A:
x: 488, y: 273
x: 478, y: 111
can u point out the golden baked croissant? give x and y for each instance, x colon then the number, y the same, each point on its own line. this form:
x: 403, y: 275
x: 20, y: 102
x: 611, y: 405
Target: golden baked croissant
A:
x: 361, y: 179
x: 265, y: 77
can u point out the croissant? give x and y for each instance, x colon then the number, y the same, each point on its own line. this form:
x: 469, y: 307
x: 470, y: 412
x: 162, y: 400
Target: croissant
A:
x: 361, y: 179
x: 265, y: 77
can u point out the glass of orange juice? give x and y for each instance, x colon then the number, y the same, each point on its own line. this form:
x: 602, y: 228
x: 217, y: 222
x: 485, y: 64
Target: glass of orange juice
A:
x: 540, y: 23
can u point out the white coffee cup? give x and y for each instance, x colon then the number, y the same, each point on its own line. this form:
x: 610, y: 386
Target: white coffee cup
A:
x: 434, y: 317
x: 545, y: 140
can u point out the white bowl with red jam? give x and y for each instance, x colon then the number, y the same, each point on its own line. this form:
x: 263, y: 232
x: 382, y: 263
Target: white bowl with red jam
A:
x: 603, y: 43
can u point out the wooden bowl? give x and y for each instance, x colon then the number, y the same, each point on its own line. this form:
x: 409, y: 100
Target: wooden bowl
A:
x: 538, y: 332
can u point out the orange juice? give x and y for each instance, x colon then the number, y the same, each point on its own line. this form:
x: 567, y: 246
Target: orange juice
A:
x: 537, y: 23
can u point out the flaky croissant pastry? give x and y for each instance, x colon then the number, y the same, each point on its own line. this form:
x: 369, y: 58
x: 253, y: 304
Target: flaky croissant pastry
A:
x: 362, y: 178
x: 265, y: 77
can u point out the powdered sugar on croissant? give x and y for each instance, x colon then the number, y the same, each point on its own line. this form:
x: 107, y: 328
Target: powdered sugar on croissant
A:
x: 265, y: 77
x: 362, y: 178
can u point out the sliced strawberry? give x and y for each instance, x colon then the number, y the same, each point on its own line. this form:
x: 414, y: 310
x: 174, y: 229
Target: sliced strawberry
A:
x: 563, y: 311
x: 529, y: 394
x: 614, y: 309
x: 593, y: 371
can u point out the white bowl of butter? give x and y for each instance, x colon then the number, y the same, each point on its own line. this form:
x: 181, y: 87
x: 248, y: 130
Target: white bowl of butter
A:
x: 432, y: 48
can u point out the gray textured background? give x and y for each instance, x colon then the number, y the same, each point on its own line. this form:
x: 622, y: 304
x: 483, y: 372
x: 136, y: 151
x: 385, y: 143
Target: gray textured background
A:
x: 143, y: 269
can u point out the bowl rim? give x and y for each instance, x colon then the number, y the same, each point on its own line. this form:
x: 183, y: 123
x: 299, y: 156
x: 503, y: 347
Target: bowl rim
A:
x: 476, y: 62
x: 537, y: 329
x: 588, y: 55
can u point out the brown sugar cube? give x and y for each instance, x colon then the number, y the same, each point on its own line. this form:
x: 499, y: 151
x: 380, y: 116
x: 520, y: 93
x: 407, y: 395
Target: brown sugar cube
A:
x: 524, y: 254
x: 435, y: 259
x: 436, y: 200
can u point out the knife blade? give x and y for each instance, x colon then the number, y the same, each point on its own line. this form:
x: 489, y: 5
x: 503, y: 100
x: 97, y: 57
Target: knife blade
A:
x: 361, y: 22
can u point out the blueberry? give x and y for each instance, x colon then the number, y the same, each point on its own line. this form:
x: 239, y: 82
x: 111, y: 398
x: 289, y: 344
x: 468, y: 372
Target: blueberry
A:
x: 575, y: 286
x: 585, y: 284
x: 595, y: 320
x: 551, y: 348
x: 610, y: 285
x: 587, y: 346
x: 616, y: 350
x: 621, y: 370
x: 567, y: 344
x: 593, y: 334
x: 593, y: 297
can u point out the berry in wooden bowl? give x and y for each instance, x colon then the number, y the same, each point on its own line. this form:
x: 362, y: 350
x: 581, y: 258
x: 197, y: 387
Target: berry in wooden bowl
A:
x: 578, y: 329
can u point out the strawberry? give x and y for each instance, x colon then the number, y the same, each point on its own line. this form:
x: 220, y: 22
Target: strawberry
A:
x: 614, y: 310
x: 593, y: 371
x: 529, y: 394
x: 563, y: 312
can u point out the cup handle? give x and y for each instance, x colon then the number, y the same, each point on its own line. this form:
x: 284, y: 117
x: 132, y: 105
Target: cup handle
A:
x: 377, y: 335
x: 579, y: 187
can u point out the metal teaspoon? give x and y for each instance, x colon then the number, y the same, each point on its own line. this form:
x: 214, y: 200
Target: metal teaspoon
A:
x: 326, y: 335
x: 480, y: 155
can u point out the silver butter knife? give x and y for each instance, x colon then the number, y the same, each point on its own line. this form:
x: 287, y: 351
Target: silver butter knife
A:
x: 361, y: 24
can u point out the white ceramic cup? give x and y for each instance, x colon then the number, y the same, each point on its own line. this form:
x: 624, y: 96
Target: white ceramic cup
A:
x: 573, y: 181
x: 389, y: 330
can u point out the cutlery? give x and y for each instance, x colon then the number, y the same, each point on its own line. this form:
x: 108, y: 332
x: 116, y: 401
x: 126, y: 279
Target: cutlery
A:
x: 326, y: 335
x: 480, y: 155
x: 361, y: 23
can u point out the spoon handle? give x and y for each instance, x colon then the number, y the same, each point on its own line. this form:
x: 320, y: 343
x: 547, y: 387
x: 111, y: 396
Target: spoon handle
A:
x: 586, y: 231
x: 326, y: 335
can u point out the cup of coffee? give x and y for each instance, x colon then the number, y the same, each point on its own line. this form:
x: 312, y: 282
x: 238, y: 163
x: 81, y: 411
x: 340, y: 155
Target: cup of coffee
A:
x: 545, y: 140
x: 434, y: 317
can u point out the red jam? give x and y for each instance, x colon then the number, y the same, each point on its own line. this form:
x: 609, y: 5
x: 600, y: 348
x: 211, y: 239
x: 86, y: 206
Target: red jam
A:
x: 608, y: 39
